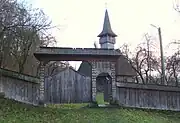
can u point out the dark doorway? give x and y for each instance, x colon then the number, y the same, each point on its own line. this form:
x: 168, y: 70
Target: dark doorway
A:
x: 104, y: 85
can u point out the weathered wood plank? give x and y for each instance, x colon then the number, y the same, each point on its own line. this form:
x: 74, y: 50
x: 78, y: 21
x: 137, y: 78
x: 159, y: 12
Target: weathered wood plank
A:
x: 69, y: 86
x: 148, y: 87
x: 19, y: 89
x: 145, y: 98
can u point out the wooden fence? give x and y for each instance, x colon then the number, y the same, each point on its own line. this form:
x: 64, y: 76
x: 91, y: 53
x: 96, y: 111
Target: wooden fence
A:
x: 19, y: 87
x: 148, y: 96
x: 68, y: 86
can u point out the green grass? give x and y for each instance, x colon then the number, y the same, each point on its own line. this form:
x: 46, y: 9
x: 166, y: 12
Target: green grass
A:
x: 100, y: 98
x: 13, y: 112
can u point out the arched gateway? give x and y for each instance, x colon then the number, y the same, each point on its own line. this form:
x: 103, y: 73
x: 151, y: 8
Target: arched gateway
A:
x: 101, y: 60
x: 104, y: 85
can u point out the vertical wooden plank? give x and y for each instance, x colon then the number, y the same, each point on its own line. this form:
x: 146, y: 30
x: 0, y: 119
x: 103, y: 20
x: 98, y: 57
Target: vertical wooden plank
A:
x: 137, y: 98
x: 157, y: 100
x: 60, y: 88
x: 173, y: 100
x: 33, y: 93
x: 47, y: 81
x: 7, y: 88
x: 29, y: 92
x: 165, y: 98
x: 79, y: 88
x: 80, y: 79
x: 20, y: 90
x: 83, y: 89
x: 154, y: 95
x: 62, y: 83
x: 140, y: 95
x: 66, y: 86
x: 178, y: 100
x: 163, y: 102
x: 151, y: 100
x: 49, y: 90
x: 57, y: 89
x: 145, y: 97
x: 16, y: 91
x: 11, y: 90
x: 133, y: 97
x: 23, y: 91
x: 117, y: 93
x: 53, y: 90
x: 86, y: 90
x: 127, y: 97
x: 122, y: 95
x: 76, y: 89
x: 168, y: 100
x: 73, y: 73
x: 89, y: 89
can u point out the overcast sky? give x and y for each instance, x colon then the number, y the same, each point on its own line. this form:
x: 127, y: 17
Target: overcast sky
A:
x: 82, y: 20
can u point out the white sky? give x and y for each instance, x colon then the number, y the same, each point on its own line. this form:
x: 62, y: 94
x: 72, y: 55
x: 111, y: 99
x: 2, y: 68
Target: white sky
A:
x: 82, y: 20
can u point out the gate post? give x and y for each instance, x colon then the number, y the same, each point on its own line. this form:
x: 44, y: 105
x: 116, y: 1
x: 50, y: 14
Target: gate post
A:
x: 93, y: 80
x: 113, y: 72
x: 41, y: 88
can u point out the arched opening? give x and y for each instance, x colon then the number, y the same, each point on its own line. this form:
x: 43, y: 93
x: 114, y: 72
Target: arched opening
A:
x: 104, y: 86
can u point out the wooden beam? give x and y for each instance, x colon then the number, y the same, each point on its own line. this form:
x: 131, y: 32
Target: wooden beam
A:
x: 148, y: 87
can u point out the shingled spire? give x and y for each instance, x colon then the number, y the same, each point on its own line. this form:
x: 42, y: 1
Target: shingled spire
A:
x: 107, y: 27
x: 107, y: 36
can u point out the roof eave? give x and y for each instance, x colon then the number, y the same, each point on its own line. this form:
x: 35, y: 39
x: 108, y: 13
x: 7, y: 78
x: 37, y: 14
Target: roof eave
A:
x: 105, y: 34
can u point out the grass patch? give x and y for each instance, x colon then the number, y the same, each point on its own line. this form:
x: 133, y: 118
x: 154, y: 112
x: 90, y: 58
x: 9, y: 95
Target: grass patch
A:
x: 13, y: 112
x: 100, y: 98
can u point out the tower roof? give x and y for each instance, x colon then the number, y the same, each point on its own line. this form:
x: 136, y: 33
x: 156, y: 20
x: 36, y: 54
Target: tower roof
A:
x: 107, y: 27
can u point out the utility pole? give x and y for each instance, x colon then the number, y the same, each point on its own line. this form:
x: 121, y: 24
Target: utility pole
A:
x: 163, y: 80
x: 162, y: 57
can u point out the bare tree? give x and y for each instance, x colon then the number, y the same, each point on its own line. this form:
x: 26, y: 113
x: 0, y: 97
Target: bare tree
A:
x: 54, y: 67
x: 27, y: 37
x: 8, y: 14
x: 22, y: 30
x: 173, y: 67
x: 142, y: 60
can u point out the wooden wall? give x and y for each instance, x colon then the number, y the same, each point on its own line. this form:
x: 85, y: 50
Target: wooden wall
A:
x: 19, y: 87
x: 148, y: 96
x: 68, y: 86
